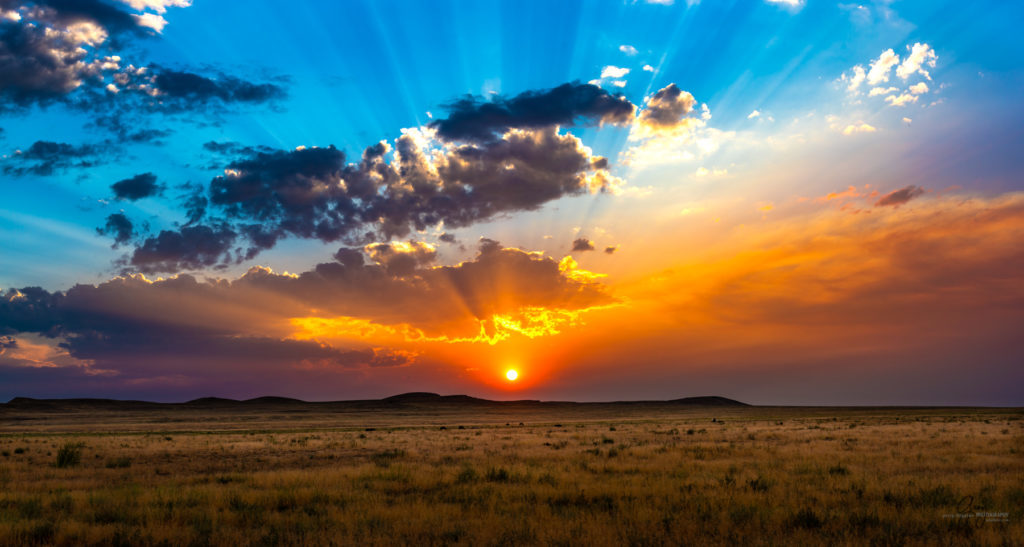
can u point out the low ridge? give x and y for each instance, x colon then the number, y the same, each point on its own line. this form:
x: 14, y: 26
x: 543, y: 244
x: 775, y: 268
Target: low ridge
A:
x: 415, y: 398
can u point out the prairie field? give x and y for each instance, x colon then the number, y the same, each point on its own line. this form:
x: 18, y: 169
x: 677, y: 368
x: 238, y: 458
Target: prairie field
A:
x: 432, y: 473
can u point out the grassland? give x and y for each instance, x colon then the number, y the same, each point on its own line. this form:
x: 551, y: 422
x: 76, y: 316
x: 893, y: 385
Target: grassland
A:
x: 428, y: 473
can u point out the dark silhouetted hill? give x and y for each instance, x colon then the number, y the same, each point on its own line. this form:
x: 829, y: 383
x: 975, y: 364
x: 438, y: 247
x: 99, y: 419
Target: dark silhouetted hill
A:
x: 413, y: 399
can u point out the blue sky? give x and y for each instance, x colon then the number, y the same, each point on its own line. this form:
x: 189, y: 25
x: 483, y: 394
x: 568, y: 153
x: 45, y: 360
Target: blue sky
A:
x: 358, y: 72
x: 781, y: 124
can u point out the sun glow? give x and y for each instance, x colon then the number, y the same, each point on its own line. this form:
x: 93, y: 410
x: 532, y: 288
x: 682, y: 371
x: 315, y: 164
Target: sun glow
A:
x: 512, y: 375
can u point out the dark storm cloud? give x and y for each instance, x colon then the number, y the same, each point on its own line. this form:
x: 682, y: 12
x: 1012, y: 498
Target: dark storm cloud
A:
x: 190, y: 89
x: 119, y: 227
x: 73, y: 52
x: 35, y: 67
x: 476, y: 119
x: 42, y: 59
x: 296, y: 191
x: 582, y: 244
x: 135, y: 188
x: 30, y: 309
x: 132, y: 329
x: 66, y: 12
x: 188, y: 248
x: 312, y: 193
x: 47, y: 157
x: 235, y: 149
x: 901, y: 196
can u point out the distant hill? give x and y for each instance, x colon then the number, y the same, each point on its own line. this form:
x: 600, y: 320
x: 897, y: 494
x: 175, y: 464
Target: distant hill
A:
x: 713, y: 400
x: 404, y: 399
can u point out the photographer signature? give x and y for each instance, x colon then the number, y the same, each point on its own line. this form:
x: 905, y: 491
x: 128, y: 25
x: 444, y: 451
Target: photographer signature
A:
x: 969, y: 512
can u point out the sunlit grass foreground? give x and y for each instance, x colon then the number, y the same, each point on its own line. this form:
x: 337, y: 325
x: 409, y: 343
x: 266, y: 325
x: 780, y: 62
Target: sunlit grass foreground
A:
x: 755, y: 476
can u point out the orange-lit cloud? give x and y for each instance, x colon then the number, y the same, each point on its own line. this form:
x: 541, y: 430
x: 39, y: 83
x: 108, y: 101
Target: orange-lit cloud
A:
x: 936, y: 278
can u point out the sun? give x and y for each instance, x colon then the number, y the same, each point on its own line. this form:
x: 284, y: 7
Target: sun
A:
x: 511, y: 374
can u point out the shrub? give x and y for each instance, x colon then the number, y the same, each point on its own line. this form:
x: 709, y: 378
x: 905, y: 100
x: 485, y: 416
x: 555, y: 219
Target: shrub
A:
x: 69, y: 455
x: 806, y: 518
x: 498, y: 474
x: 119, y: 463
x: 838, y: 470
x: 466, y: 475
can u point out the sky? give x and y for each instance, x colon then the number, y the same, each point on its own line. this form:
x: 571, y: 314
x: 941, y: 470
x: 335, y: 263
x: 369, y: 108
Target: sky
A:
x: 785, y: 202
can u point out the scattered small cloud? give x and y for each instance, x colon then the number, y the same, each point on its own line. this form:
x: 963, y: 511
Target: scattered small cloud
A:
x: 876, y: 91
x: 790, y: 4
x: 135, y: 188
x: 613, y: 72
x: 582, y: 244
x: 921, y: 55
x: 882, y: 67
x: 901, y: 100
x: 753, y: 114
x: 899, y: 197
x: 918, y: 88
x: 858, y: 128
x: 628, y: 50
x: 702, y: 172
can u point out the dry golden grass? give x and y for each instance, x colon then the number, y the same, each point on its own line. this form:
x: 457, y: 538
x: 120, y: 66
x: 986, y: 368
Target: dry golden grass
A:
x: 602, y: 475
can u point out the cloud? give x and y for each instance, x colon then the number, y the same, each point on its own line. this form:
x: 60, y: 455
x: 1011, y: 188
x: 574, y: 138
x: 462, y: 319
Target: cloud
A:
x: 189, y: 88
x: 918, y: 88
x: 931, y: 287
x: 188, y: 248
x: 648, y: 68
x: 858, y: 128
x: 791, y: 4
x: 51, y: 47
x: 666, y: 113
x: 876, y: 91
x: 921, y: 55
x: 899, y: 197
x: 401, y: 258
x: 753, y: 115
x: 582, y: 244
x: 857, y: 78
x: 45, y: 158
x: 705, y: 172
x: 119, y: 227
x: 613, y: 72
x: 881, y: 67
x: 479, y: 120
x: 901, y: 100
x: 313, y: 193
x: 267, y: 323
x: 69, y: 52
x: 611, y: 249
x: 159, y: 6
x: 628, y: 50
x: 135, y: 188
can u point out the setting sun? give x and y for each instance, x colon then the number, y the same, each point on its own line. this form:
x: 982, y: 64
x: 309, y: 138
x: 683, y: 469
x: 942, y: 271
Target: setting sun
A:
x: 511, y: 375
